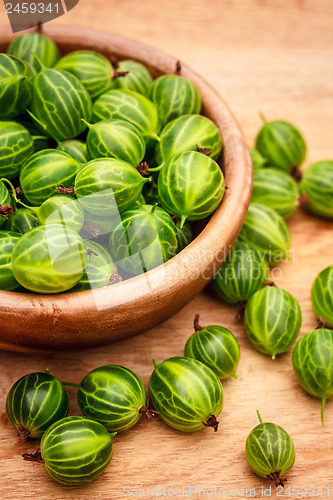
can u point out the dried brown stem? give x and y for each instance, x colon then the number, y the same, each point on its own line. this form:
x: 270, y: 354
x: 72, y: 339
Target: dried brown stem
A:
x: 143, y: 169
x: 93, y: 230
x: 6, y: 210
x: 275, y: 477
x: 61, y: 189
x: 114, y: 278
x: 304, y: 200
x: 269, y: 283
x: 204, y: 151
x: 178, y: 69
x: 296, y: 173
x: 320, y: 323
x: 196, y: 325
x: 212, y: 422
x: 114, y: 62
x: 91, y: 252
x: 119, y: 74
x: 149, y: 412
x: 33, y: 457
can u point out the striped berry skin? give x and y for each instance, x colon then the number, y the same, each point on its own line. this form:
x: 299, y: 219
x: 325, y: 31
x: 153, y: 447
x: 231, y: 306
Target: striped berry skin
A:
x: 7, y: 242
x: 61, y: 209
x: 138, y: 78
x: 29, y: 45
x: 217, y: 348
x: 322, y: 296
x: 16, y: 145
x: 272, y: 320
x: 282, y: 144
x: 76, y: 148
x: 276, y: 189
x: 130, y: 106
x: 48, y: 259
x: 270, y: 451
x: 187, y: 133
x: 241, y: 275
x: 116, y: 139
x: 316, y: 188
x: 44, y: 171
x: 313, y: 364
x: 76, y: 450
x: 4, y: 200
x: 265, y: 230
x: 107, y: 186
x: 22, y: 221
x: 36, y: 401
x: 59, y: 104
x: 112, y: 395
x: 187, y: 394
x: 15, y: 86
x: 93, y: 70
x: 98, y: 267
x: 145, y: 238
x: 190, y: 186
x: 174, y: 96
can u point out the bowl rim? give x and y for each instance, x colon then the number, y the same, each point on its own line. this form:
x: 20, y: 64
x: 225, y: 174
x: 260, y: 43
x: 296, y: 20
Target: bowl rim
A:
x: 204, y: 254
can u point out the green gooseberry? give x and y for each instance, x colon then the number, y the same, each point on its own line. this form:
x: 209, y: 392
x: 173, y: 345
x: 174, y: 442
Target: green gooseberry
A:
x: 184, y: 235
x: 44, y: 171
x: 216, y: 347
x: 173, y: 96
x: 107, y: 186
x: 276, y: 189
x: 93, y: 70
x: 114, y: 396
x: 48, y: 259
x: 322, y: 296
x: 241, y: 275
x: 190, y: 186
x: 35, y: 402
x: 5, y: 204
x: 272, y: 320
x: 26, y: 47
x: 129, y: 106
x: 316, y: 188
x: 15, y: 86
x: 270, y: 451
x: 59, y: 103
x: 22, y: 221
x: 313, y: 367
x: 265, y: 230
x: 16, y: 145
x: 61, y: 209
x: 258, y: 161
x: 115, y: 139
x: 186, y: 393
x: 137, y: 77
x: 145, y: 238
x: 76, y: 148
x: 282, y: 144
x: 98, y: 267
x: 7, y: 242
x: 189, y: 133
x: 76, y: 450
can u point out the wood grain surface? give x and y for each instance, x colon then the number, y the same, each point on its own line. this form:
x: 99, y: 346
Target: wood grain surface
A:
x: 269, y: 55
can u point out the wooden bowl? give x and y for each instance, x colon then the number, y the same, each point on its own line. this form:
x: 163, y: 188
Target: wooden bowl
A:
x: 30, y: 322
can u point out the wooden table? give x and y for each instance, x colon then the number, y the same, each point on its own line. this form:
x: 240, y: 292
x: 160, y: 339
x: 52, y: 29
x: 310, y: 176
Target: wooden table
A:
x: 269, y: 55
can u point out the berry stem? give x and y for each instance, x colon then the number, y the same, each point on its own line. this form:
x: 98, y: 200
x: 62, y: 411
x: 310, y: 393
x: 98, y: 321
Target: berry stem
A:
x: 259, y: 417
x: 197, y: 327
x: 323, y: 402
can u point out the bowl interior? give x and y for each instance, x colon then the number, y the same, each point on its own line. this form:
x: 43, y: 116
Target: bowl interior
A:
x: 135, y: 305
